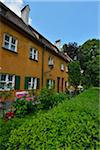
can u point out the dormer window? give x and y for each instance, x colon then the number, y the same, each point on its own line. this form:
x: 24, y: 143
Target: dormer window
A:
x: 66, y: 69
x: 50, y: 61
x: 10, y: 42
x: 62, y: 67
x: 34, y: 54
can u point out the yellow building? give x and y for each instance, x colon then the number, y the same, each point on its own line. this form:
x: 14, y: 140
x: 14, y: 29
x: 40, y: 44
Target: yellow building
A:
x: 27, y: 59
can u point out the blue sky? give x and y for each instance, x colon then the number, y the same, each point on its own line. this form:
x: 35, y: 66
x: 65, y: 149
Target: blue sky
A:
x: 70, y: 21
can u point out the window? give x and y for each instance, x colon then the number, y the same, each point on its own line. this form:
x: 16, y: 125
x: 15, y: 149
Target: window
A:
x: 32, y: 83
x: 62, y: 67
x: 50, y: 61
x: 33, y: 53
x: 66, y: 69
x: 10, y: 42
x: 50, y: 84
x: 7, y: 81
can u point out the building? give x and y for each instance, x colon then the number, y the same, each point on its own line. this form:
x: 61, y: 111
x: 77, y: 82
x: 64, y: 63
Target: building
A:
x: 27, y: 59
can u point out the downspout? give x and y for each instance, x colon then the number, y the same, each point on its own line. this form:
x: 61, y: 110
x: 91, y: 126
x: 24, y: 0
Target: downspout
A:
x: 43, y: 66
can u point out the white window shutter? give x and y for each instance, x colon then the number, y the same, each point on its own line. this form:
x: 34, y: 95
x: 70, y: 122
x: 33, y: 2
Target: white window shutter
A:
x: 35, y: 83
x: 16, y: 45
x: 31, y: 82
x: 37, y: 55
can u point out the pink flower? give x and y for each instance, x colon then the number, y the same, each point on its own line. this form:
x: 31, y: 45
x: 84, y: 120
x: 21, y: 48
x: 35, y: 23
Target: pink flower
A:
x: 0, y: 99
x: 28, y: 98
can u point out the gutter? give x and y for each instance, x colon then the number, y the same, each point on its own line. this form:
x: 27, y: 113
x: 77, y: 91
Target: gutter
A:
x: 43, y: 49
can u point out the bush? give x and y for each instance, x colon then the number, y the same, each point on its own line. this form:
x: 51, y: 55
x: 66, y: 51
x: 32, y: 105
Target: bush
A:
x: 48, y: 98
x: 23, y: 106
x: 71, y: 125
x: 5, y: 130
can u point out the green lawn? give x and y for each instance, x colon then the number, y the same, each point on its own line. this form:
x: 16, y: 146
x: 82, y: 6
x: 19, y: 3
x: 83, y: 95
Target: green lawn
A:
x: 72, y: 124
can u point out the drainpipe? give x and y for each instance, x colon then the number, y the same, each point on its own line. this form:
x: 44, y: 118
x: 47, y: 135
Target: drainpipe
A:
x: 43, y: 66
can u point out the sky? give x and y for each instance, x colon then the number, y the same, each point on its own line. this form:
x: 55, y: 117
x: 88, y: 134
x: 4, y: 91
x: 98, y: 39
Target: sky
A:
x: 67, y: 20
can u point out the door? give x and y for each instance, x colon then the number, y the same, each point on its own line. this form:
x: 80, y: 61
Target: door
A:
x: 58, y: 84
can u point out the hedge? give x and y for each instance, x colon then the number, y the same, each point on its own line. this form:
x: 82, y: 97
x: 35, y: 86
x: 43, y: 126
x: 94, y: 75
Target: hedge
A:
x: 70, y: 125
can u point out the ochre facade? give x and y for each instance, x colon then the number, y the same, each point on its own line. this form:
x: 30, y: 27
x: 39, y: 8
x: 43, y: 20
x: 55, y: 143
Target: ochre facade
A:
x: 19, y: 64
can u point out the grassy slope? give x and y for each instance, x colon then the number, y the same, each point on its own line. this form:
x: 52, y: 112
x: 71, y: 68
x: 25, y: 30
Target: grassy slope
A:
x: 71, y: 125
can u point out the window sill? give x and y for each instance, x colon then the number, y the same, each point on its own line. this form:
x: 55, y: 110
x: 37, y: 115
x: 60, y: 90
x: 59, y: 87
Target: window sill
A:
x: 9, y: 50
x: 33, y: 59
x: 6, y: 90
x: 62, y: 70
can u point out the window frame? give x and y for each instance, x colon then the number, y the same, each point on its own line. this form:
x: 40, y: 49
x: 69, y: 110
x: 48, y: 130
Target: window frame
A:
x: 33, y: 83
x: 33, y: 54
x: 66, y: 69
x: 10, y: 44
x: 50, y: 83
x: 62, y: 67
x: 7, y: 81
x: 50, y: 61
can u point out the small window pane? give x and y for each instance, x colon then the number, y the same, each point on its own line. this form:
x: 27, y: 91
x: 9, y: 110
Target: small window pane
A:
x: 6, y: 45
x: 13, y: 41
x: 10, y: 77
x: 31, y: 53
x: 3, y: 77
x: 35, y: 52
x: 13, y: 47
x: 7, y: 38
x: 9, y: 86
x: 2, y: 85
x: 29, y: 80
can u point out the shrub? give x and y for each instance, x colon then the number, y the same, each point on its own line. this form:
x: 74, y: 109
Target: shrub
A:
x: 23, y: 106
x: 49, y: 98
x: 71, y: 125
x: 4, y: 96
x: 5, y: 130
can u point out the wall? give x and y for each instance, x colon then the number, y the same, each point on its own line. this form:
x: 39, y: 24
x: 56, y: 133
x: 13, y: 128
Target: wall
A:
x: 20, y: 64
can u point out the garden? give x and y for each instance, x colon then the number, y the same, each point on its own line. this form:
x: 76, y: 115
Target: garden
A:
x: 56, y: 122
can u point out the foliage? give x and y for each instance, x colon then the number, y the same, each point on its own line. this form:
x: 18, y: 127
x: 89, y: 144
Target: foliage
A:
x: 23, y: 106
x: 89, y: 55
x: 4, y: 96
x: 71, y: 49
x: 71, y: 125
x: 74, y: 73
x: 5, y: 130
x: 48, y: 98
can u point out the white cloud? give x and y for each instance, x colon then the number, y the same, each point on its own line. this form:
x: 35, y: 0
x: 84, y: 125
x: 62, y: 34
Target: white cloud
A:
x: 16, y: 6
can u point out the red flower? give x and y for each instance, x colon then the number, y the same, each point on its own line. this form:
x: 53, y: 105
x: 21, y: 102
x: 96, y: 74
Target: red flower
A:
x: 9, y: 115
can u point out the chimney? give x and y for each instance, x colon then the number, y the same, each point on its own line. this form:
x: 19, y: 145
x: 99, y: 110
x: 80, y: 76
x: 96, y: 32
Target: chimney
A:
x: 65, y: 53
x: 58, y: 44
x: 25, y: 14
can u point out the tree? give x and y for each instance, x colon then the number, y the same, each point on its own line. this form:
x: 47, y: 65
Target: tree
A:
x: 88, y: 55
x: 74, y: 73
x: 71, y: 49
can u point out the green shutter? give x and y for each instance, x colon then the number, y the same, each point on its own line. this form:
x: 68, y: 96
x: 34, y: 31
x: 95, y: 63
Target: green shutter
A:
x: 47, y: 84
x: 17, y: 82
x: 26, y: 83
x: 54, y: 84
x: 38, y: 83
